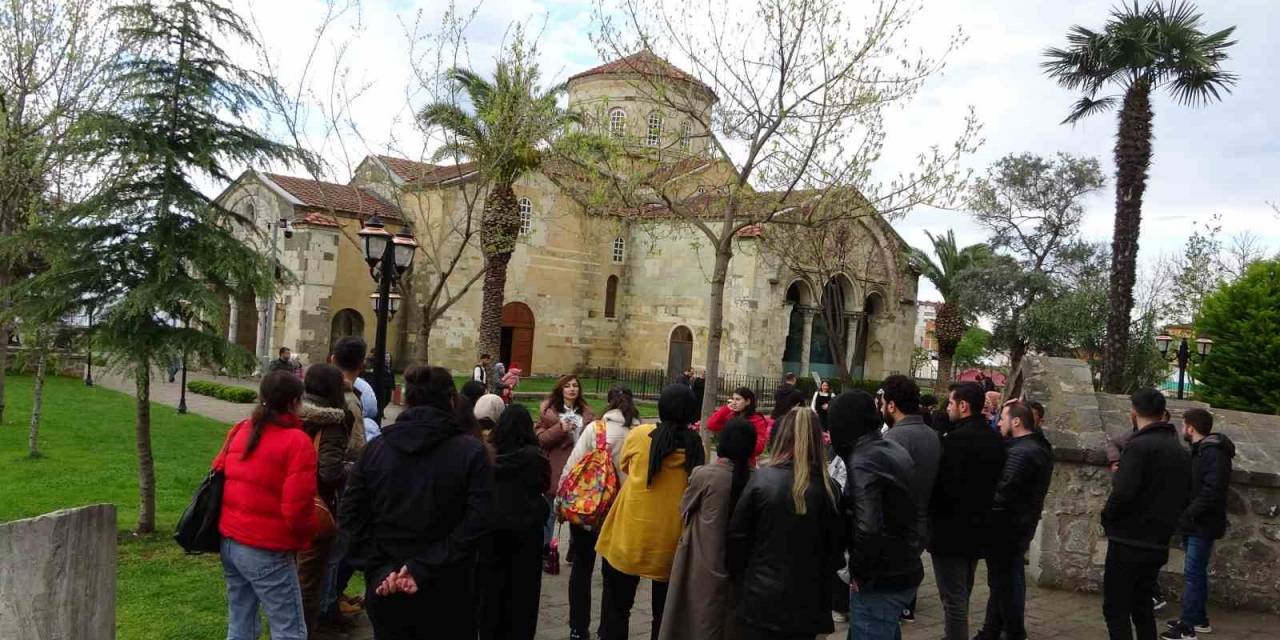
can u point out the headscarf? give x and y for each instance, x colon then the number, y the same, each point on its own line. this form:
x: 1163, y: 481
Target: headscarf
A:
x: 677, y: 409
x: 850, y: 416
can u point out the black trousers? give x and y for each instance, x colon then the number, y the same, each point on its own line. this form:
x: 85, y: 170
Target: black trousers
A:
x: 441, y: 610
x: 1128, y: 581
x: 511, y: 575
x: 1006, y: 604
x: 619, y: 596
x: 752, y: 633
x: 582, y: 545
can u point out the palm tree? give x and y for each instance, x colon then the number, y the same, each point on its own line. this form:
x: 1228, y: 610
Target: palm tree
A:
x: 946, y: 274
x: 1138, y: 51
x: 507, y: 133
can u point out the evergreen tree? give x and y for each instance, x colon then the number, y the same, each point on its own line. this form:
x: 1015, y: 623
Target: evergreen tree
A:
x: 1243, y: 319
x: 150, y: 244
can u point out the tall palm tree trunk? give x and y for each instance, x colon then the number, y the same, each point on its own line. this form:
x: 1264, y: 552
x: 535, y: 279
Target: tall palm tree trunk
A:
x: 1133, y: 157
x: 146, y: 461
x: 946, y: 360
x: 501, y: 220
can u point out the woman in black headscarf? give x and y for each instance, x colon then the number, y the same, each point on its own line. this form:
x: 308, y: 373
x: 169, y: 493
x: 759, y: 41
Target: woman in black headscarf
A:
x: 639, y: 536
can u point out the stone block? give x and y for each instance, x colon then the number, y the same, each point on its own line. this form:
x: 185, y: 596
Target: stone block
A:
x: 58, y: 575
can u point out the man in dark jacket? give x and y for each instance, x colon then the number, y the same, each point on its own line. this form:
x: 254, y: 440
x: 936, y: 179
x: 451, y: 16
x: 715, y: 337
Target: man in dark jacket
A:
x: 884, y: 543
x: 900, y: 404
x: 1148, y: 495
x: 788, y: 385
x: 1204, y: 520
x: 415, y: 506
x: 960, y: 509
x: 1015, y: 512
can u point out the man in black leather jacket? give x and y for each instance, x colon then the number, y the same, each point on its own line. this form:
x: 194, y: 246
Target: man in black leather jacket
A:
x: 1205, y: 519
x: 1015, y: 512
x: 884, y: 541
x: 1148, y: 495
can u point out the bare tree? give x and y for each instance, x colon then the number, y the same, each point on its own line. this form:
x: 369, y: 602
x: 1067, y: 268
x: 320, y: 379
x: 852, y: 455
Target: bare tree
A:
x: 794, y: 92
x: 51, y: 74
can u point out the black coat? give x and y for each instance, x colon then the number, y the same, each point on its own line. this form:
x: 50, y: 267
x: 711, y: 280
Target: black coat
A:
x: 1149, y: 491
x: 960, y: 509
x: 783, y: 562
x: 1019, y: 498
x: 884, y: 544
x: 421, y: 497
x: 520, y: 481
x: 1206, y: 515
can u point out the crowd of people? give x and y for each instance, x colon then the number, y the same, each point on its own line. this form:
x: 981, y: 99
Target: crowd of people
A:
x: 819, y: 512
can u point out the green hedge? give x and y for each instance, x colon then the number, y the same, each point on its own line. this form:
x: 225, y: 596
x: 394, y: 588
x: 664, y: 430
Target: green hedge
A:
x: 223, y: 391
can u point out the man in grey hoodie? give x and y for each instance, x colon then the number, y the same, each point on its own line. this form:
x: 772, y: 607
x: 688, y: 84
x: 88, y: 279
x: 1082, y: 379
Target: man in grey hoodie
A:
x: 899, y: 400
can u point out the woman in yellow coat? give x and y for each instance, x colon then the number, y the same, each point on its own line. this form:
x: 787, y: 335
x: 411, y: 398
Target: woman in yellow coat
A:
x: 639, y: 536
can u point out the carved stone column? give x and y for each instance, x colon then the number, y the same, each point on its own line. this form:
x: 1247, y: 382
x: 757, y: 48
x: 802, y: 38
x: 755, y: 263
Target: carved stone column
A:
x: 806, y: 338
x: 233, y: 318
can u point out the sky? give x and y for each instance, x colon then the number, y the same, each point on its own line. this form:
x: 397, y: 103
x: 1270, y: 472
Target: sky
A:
x: 1220, y: 158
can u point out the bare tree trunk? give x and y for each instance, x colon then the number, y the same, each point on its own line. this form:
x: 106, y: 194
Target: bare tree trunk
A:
x: 1017, y: 351
x: 424, y: 338
x: 4, y: 335
x: 715, y: 330
x: 37, y: 404
x: 1133, y: 157
x: 146, y: 462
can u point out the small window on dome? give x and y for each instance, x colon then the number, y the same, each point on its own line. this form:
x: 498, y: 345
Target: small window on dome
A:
x: 526, y: 216
x: 655, y: 130
x: 617, y: 122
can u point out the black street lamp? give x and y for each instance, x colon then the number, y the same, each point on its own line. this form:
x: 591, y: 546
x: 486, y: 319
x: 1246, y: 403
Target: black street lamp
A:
x: 1183, y: 355
x: 88, y: 338
x: 388, y: 257
x: 182, y: 392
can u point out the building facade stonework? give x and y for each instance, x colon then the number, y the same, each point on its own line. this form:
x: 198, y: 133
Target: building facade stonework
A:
x: 584, y: 288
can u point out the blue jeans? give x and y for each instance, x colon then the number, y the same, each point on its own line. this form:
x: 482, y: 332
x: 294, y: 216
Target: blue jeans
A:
x: 873, y: 613
x: 267, y: 578
x: 1196, y: 569
x: 549, y: 528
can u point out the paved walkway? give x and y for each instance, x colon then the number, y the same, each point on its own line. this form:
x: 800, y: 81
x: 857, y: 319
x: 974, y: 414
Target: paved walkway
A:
x: 1050, y: 613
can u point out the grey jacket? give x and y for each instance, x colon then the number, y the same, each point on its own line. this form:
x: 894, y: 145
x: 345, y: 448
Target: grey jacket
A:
x: 925, y: 447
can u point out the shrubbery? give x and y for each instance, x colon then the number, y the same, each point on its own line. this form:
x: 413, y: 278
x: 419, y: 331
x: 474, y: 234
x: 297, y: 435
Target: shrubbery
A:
x: 1243, y: 319
x: 223, y: 391
x: 808, y: 386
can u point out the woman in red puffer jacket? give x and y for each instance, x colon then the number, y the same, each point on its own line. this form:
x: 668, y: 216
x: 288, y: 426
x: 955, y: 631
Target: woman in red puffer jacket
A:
x: 268, y: 512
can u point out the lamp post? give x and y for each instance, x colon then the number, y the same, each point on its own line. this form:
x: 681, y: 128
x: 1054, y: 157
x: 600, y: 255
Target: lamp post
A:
x: 268, y: 320
x: 88, y: 356
x: 388, y: 257
x: 182, y: 391
x: 1183, y: 355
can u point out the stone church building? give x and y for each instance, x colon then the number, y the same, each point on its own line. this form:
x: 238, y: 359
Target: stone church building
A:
x: 584, y: 289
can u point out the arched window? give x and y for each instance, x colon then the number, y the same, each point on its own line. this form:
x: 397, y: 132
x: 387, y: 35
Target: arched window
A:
x: 655, y: 130
x: 619, y: 249
x: 686, y: 133
x: 611, y: 297
x: 617, y: 122
x: 526, y: 216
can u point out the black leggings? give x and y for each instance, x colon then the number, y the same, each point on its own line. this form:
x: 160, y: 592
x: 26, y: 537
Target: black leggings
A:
x: 619, y: 596
x: 511, y: 579
x: 582, y: 546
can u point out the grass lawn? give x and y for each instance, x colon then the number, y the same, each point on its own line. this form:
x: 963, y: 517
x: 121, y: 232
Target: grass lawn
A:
x: 87, y: 443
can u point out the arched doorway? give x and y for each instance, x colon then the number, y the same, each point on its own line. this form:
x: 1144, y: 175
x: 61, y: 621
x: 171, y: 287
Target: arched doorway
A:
x: 347, y: 322
x: 517, y: 336
x: 680, y: 352
x: 797, y: 299
x: 871, y: 307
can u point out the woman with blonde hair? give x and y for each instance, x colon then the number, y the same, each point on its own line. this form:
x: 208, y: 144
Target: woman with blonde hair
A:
x: 785, y: 537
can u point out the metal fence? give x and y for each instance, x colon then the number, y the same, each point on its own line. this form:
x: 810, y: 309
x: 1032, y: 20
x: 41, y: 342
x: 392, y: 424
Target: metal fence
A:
x: 648, y: 383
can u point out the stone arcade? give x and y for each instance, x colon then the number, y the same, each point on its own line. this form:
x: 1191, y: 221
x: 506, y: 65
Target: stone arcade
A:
x: 584, y: 289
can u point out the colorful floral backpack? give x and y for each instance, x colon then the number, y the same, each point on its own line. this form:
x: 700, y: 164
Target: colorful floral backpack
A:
x: 585, y: 495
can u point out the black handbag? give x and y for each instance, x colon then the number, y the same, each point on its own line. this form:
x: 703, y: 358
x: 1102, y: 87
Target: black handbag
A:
x: 197, y: 530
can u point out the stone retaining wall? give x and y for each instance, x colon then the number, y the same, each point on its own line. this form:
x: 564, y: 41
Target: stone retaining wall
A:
x: 1070, y: 548
x: 58, y: 575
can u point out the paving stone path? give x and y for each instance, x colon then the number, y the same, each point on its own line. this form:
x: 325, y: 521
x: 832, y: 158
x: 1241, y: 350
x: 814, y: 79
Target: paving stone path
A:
x: 1050, y: 613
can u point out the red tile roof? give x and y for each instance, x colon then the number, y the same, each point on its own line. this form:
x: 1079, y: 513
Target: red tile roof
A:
x: 424, y: 173
x: 643, y: 62
x: 319, y: 219
x: 337, y: 197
